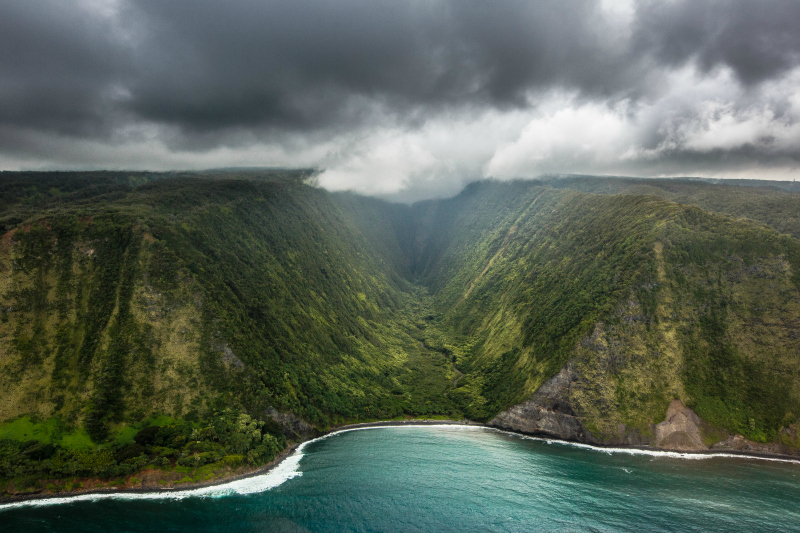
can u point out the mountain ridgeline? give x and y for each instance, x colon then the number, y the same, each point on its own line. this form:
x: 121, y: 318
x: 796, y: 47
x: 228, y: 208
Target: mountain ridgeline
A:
x: 191, y: 324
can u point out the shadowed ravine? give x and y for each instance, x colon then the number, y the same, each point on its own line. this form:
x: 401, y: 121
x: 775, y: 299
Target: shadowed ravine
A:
x: 188, y: 328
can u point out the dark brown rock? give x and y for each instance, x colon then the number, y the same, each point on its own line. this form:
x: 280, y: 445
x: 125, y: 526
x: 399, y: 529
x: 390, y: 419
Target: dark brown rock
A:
x: 548, y: 412
x: 293, y: 428
x: 680, y: 430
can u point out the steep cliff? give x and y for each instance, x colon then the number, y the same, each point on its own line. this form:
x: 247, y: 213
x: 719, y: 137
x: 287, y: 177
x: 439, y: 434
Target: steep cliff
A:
x: 236, y: 311
x: 714, y: 328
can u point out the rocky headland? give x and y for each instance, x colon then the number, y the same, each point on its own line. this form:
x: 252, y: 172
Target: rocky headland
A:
x: 549, y: 412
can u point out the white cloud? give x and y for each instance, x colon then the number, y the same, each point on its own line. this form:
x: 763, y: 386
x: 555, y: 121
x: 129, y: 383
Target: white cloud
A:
x: 381, y: 165
x: 694, y: 113
x: 104, y: 8
x: 437, y: 158
x: 565, y: 138
x: 716, y: 114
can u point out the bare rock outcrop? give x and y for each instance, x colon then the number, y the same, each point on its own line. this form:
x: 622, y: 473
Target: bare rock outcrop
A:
x: 548, y: 412
x: 681, y: 430
x: 785, y: 445
x: 293, y: 428
x: 740, y: 444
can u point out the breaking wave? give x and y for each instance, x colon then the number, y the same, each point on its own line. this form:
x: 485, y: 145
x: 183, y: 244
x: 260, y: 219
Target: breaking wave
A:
x: 289, y: 468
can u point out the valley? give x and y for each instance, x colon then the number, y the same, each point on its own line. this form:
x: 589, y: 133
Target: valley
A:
x: 197, y: 324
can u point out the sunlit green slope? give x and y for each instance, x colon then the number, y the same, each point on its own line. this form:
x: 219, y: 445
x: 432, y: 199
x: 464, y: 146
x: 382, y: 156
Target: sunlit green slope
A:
x: 207, y: 304
x: 649, y: 301
x: 776, y: 204
x: 183, y: 298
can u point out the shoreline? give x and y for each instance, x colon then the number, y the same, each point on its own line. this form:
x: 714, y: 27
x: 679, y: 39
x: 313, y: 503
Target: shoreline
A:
x: 263, y: 469
x: 617, y: 448
x: 289, y: 451
x: 184, y: 487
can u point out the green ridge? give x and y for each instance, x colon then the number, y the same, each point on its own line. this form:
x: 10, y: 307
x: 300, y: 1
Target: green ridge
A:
x: 215, y: 299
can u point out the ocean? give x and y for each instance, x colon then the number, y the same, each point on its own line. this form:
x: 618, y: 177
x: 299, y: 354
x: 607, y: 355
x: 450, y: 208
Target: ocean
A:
x: 452, y: 478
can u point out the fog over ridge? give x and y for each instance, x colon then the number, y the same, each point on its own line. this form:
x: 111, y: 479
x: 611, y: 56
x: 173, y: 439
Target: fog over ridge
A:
x: 410, y: 98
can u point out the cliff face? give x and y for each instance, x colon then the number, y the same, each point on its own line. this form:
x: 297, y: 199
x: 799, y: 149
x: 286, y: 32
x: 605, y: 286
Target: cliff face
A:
x: 644, y: 301
x: 703, y: 355
x: 192, y: 296
x: 589, y: 314
x: 548, y: 412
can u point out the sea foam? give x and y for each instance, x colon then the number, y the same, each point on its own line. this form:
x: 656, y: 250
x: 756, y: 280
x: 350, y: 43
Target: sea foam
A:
x: 290, y: 468
x: 694, y: 456
x: 287, y: 469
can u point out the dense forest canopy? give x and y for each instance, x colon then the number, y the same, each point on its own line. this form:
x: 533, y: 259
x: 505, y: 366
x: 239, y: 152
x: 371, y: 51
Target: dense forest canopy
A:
x: 175, y: 320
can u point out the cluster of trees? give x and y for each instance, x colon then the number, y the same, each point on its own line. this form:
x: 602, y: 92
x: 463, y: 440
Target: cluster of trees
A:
x: 340, y: 308
x: 228, y: 439
x: 281, y: 275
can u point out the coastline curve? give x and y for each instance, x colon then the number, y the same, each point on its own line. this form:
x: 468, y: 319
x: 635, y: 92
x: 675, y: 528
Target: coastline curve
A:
x: 287, y: 467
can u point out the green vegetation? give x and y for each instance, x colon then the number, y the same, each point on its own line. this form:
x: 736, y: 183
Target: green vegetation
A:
x: 525, y: 292
x: 230, y: 440
x: 24, y: 429
x: 774, y: 203
x: 130, y: 303
x: 712, y: 326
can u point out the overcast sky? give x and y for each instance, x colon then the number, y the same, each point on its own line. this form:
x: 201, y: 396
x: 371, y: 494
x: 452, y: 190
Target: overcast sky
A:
x: 403, y: 98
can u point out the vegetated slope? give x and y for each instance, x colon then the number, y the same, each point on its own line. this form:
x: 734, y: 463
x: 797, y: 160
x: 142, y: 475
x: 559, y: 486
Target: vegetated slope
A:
x: 187, y: 297
x: 387, y: 228
x: 643, y: 300
x: 716, y: 327
x: 271, y: 275
x: 208, y: 305
x: 776, y: 204
x: 527, y: 271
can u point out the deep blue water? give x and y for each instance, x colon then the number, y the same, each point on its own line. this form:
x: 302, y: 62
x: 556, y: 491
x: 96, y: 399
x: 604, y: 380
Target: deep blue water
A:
x: 456, y: 479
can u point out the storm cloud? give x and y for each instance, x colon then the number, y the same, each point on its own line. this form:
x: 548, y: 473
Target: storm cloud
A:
x: 409, y: 98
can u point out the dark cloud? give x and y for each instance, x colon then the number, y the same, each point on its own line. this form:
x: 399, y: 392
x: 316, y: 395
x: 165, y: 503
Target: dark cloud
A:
x: 758, y: 40
x: 57, y: 67
x: 207, y: 64
x: 203, y: 64
x: 202, y: 74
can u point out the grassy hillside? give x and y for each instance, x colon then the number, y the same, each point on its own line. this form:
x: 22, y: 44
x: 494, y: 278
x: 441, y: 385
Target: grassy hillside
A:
x: 162, y: 321
x: 776, y: 204
x: 187, y: 297
x: 649, y: 300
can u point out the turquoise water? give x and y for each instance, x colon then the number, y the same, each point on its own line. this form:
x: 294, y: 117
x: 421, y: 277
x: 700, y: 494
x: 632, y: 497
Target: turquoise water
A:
x: 455, y: 479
